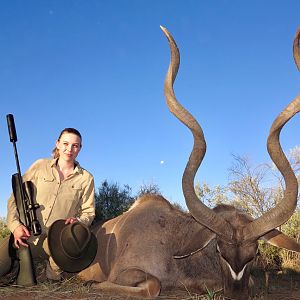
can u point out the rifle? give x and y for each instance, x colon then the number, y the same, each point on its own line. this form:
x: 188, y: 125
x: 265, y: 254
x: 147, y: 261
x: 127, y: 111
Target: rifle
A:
x: 27, y: 213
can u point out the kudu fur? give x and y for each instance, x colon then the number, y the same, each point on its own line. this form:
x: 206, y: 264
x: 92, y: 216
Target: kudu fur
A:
x: 153, y: 245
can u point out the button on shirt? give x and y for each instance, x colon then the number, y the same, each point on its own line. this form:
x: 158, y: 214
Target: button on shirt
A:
x: 72, y: 197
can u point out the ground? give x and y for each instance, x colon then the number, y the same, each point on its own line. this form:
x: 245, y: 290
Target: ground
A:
x: 281, y: 286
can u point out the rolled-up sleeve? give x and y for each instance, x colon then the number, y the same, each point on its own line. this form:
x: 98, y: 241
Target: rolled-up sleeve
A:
x: 13, y: 220
x: 87, y: 209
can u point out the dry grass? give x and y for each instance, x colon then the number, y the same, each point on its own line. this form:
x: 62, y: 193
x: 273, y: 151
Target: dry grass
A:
x: 66, y: 289
x: 292, y: 264
x: 282, y: 286
x: 73, y: 288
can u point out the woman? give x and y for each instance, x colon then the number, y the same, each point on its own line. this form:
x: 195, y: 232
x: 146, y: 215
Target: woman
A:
x: 63, y: 189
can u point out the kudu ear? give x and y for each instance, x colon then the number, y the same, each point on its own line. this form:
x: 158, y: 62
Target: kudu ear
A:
x: 279, y: 239
x: 194, y: 243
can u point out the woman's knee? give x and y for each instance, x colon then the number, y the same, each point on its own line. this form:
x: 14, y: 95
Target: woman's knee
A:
x: 7, y: 254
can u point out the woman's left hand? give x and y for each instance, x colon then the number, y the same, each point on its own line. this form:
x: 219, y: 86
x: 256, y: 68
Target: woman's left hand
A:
x: 71, y: 220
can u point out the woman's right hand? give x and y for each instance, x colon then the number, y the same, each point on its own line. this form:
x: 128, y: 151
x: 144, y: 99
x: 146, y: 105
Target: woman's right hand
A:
x: 21, y: 233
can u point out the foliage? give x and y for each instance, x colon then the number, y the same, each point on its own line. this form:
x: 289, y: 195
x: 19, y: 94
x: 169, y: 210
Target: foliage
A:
x: 252, y: 194
x: 269, y: 256
x: 275, y: 258
x: 153, y: 189
x: 179, y: 207
x: 254, y: 190
x: 212, y: 196
x: 210, y: 294
x: 248, y: 187
x: 291, y: 259
x: 111, y: 200
x: 294, y: 159
x: 150, y: 188
x: 292, y: 226
x: 4, y: 231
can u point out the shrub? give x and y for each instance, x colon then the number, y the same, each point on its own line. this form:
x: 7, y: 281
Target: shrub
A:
x: 4, y: 231
x: 269, y: 256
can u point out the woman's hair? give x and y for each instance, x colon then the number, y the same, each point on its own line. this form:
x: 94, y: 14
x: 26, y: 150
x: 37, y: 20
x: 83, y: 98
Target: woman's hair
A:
x: 55, y: 151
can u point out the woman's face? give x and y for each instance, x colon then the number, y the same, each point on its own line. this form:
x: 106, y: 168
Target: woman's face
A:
x: 69, y: 146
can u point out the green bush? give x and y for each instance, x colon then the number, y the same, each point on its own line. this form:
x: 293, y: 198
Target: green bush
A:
x: 273, y: 258
x: 112, y: 200
x: 4, y: 231
x: 290, y: 259
x: 269, y: 256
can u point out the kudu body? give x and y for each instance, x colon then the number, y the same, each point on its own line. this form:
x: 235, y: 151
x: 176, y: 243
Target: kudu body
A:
x: 153, y: 245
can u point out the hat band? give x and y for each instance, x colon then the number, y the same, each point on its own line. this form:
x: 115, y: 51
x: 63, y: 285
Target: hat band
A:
x: 75, y: 251
x: 74, y: 256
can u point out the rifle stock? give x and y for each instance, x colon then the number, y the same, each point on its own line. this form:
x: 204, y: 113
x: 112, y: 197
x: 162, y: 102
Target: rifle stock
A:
x: 26, y: 275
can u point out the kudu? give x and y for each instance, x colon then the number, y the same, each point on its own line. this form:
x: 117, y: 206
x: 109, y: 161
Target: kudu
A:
x: 153, y: 245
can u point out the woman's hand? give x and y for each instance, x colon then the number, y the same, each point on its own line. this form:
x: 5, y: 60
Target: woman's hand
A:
x: 71, y: 220
x: 21, y: 233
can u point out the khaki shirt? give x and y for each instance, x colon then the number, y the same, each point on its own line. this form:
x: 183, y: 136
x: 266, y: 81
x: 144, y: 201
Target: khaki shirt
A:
x: 73, y: 197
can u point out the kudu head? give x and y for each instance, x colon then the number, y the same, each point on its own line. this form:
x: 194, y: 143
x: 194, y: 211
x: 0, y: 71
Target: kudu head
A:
x: 236, y: 233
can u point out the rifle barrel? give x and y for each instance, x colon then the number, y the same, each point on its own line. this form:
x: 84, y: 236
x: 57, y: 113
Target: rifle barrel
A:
x: 13, y: 138
x: 11, y: 128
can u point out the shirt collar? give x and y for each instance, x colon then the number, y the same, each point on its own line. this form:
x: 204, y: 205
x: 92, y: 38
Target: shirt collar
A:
x: 53, y: 162
x: 77, y: 169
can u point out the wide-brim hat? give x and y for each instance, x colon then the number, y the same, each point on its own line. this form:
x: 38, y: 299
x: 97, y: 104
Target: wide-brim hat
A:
x: 73, y: 247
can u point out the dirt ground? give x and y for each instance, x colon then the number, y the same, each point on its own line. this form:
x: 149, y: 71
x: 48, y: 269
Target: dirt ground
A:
x: 281, y: 286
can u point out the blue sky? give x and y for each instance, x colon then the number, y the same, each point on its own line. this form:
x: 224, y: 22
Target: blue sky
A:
x: 99, y: 66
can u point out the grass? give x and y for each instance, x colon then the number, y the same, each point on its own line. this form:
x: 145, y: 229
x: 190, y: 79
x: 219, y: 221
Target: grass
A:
x: 67, y: 289
x: 282, y: 285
